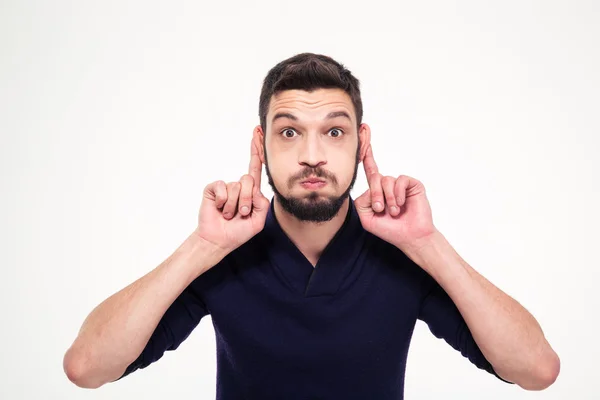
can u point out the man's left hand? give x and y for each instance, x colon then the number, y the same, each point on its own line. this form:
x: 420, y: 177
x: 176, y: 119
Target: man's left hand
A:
x: 394, y: 209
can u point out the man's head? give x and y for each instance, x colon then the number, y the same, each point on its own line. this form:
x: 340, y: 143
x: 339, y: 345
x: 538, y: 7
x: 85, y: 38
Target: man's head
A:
x: 311, y: 127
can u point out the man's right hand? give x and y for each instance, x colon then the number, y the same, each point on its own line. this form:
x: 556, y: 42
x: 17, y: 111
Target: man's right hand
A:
x: 232, y: 213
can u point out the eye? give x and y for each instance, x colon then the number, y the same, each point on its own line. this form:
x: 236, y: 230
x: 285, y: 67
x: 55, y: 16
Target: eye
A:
x: 286, y: 132
x: 336, y: 132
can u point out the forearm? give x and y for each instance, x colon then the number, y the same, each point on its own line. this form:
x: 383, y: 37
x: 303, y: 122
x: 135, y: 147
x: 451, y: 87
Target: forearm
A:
x: 508, y: 335
x: 117, y: 330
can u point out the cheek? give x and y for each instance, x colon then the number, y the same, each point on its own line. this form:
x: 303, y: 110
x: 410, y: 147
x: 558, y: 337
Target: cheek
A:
x: 343, y: 168
x: 343, y: 162
x: 279, y: 167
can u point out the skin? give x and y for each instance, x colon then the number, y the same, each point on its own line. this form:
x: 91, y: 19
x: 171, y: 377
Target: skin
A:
x: 328, y: 148
x: 319, y: 144
x: 394, y: 208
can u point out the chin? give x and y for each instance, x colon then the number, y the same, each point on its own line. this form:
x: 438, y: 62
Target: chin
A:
x: 315, y: 195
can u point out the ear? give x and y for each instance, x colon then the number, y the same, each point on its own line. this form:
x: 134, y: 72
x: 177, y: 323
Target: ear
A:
x: 364, y: 134
x: 258, y: 138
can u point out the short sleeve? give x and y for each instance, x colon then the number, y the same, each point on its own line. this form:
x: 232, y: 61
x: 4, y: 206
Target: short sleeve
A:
x: 444, y: 320
x: 180, y: 319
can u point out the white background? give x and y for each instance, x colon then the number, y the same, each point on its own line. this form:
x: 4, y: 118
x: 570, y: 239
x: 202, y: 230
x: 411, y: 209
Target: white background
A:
x: 115, y: 115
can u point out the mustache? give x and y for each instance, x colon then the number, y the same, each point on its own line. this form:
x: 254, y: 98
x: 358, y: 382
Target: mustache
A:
x: 308, y: 172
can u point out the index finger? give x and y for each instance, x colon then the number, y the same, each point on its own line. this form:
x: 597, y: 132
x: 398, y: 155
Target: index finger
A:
x: 255, y: 167
x: 369, y: 163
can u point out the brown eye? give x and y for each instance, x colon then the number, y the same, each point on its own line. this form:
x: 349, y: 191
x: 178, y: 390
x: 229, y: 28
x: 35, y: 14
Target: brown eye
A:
x: 286, y: 132
x: 336, y: 132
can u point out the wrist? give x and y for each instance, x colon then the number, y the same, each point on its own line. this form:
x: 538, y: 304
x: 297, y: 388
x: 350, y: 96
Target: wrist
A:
x: 427, y: 250
x: 201, y: 253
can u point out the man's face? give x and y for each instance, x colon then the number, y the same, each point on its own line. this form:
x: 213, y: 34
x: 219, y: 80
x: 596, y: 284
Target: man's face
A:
x: 312, y: 135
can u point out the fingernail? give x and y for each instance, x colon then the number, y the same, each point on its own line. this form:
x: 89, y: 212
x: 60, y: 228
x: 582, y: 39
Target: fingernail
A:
x: 226, y: 215
x: 394, y: 209
x: 378, y: 206
x: 245, y: 209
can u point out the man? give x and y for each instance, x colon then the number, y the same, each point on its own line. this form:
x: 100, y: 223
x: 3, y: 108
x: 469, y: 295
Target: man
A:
x: 313, y: 295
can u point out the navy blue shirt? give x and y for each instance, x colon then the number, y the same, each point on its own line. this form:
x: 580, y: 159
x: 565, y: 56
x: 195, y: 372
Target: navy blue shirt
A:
x: 288, y: 330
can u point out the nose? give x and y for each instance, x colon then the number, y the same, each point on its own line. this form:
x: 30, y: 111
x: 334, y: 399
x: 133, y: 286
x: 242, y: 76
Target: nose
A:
x: 312, y: 153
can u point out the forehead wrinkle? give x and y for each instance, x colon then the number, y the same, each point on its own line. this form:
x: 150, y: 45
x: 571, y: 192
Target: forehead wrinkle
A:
x: 312, y: 99
x: 309, y: 104
x: 303, y: 118
x: 299, y: 102
x: 292, y: 107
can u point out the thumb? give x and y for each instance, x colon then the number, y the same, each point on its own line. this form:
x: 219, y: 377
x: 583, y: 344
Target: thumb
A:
x: 363, y: 203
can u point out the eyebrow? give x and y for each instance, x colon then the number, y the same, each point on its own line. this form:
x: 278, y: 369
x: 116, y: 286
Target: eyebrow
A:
x: 331, y: 115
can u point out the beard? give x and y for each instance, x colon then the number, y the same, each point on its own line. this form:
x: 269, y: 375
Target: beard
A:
x: 313, y: 208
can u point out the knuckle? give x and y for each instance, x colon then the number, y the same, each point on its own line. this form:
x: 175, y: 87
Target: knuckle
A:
x: 221, y: 196
x: 374, y: 179
x: 246, y: 195
x: 247, y: 179
x: 228, y: 208
x: 245, y: 199
x: 377, y: 194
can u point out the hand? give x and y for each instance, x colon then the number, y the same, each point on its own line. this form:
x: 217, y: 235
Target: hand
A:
x: 231, y: 214
x: 394, y: 209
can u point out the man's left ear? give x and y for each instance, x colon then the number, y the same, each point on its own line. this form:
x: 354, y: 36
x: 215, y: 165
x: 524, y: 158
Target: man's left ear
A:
x: 364, y: 134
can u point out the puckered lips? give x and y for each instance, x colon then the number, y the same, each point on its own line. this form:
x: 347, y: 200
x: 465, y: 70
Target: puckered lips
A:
x: 313, y: 183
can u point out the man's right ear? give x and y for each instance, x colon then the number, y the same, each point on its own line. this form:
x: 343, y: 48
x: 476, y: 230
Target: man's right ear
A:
x: 258, y: 138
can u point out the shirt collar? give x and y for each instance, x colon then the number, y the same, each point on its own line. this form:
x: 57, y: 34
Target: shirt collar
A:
x: 336, y: 262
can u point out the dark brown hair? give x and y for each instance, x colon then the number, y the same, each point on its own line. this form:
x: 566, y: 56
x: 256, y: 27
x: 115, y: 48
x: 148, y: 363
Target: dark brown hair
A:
x: 308, y: 71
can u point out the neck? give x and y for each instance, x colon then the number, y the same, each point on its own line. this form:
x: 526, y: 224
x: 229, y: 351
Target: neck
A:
x: 310, y: 238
